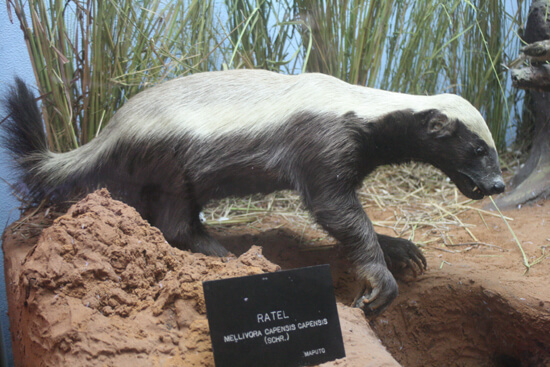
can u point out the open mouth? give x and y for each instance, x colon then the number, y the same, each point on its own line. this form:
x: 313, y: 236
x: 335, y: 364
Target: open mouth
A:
x: 476, y: 191
x: 467, y: 186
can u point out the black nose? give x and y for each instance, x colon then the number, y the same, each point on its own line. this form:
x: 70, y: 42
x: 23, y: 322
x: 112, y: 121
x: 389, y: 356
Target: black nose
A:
x: 498, y: 187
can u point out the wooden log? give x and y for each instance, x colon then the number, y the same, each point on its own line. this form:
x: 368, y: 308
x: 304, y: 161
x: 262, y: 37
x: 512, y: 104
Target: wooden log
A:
x: 537, y: 52
x: 532, y: 181
x: 532, y: 77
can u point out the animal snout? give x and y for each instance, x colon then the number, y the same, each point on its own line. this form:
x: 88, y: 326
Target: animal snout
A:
x: 496, y: 187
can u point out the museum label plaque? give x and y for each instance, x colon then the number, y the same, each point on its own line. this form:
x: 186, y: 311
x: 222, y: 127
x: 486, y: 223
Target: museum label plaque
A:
x: 288, y: 318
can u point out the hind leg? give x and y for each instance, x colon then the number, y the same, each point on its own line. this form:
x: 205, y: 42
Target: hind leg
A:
x: 199, y: 240
x: 177, y: 217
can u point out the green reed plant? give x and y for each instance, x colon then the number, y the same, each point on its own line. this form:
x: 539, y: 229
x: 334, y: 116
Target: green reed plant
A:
x: 347, y: 37
x: 264, y: 35
x: 421, y: 47
x: 464, y: 55
x: 90, y: 56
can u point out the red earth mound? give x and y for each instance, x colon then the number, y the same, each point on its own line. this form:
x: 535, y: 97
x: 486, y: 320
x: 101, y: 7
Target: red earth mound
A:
x: 100, y: 287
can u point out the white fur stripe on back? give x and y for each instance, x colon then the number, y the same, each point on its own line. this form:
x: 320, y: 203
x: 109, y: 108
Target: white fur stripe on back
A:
x: 217, y: 103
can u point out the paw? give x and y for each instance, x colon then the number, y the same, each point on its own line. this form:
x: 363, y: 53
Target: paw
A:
x: 209, y: 246
x: 401, y: 254
x: 200, y: 243
x: 382, y: 293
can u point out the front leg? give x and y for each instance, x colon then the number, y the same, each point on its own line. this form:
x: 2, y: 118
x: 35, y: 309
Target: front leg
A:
x: 401, y: 254
x: 340, y: 213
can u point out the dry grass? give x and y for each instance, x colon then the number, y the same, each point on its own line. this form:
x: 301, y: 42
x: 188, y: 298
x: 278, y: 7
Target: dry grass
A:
x: 89, y: 57
x: 410, y: 198
x: 413, y: 201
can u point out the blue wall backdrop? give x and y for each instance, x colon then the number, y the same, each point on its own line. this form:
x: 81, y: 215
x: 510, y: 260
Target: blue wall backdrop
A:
x: 14, y: 60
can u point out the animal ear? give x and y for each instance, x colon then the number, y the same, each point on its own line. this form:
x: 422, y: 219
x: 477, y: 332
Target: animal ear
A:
x: 437, y: 124
x: 425, y: 115
x: 441, y: 126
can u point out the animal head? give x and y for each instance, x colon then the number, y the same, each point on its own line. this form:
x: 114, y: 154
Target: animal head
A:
x: 456, y: 139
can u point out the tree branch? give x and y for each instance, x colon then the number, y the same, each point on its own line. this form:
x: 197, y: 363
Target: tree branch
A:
x: 537, y: 51
x: 532, y: 77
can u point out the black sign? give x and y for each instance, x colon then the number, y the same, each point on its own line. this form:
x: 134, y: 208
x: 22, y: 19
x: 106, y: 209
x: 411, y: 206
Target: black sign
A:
x: 288, y: 318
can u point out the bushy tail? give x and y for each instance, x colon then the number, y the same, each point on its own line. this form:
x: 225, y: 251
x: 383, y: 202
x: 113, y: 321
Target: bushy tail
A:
x: 24, y: 137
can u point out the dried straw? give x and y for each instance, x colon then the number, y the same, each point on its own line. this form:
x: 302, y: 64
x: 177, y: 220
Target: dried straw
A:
x: 415, y: 196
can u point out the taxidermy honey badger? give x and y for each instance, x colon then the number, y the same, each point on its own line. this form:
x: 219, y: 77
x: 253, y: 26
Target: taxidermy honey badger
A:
x: 172, y: 148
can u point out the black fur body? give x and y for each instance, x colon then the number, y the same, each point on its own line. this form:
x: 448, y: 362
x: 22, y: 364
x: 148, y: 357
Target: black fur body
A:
x: 168, y: 174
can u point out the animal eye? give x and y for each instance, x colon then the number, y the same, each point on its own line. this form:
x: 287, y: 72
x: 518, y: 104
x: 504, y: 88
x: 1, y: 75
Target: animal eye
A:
x: 480, y: 151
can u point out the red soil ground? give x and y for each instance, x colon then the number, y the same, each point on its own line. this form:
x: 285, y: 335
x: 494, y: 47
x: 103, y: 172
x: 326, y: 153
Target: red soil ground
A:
x: 102, y: 287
